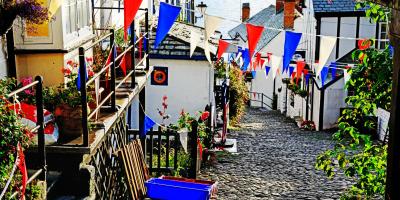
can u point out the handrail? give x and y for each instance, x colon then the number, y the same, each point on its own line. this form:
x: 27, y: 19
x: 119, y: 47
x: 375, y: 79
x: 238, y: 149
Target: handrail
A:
x: 262, y: 99
x: 13, y: 93
x: 98, y: 41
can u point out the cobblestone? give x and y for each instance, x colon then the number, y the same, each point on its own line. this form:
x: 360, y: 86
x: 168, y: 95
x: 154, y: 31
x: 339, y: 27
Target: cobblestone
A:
x: 275, y: 160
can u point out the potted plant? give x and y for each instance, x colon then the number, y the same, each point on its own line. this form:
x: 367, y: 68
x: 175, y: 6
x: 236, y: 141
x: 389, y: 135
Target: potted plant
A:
x: 30, y: 10
x: 68, y: 110
x: 307, y: 125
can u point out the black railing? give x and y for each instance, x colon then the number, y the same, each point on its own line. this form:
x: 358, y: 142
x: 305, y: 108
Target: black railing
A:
x: 111, y: 97
x: 260, y: 98
x: 39, y: 128
x: 159, y: 144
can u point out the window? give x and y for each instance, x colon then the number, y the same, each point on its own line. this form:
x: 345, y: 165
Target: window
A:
x: 78, y: 15
x: 383, y: 35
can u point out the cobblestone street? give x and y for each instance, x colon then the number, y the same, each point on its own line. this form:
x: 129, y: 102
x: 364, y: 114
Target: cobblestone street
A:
x: 275, y: 160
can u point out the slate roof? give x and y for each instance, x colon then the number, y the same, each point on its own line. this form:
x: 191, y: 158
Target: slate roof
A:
x: 325, y: 6
x: 267, y: 18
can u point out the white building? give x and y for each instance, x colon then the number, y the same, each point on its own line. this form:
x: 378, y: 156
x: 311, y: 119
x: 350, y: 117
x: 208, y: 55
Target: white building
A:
x: 315, y: 17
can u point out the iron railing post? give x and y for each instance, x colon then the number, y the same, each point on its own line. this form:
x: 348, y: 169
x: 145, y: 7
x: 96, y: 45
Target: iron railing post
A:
x: 193, y: 150
x: 262, y: 100
x: 82, y: 72
x: 112, y: 69
x: 147, y: 37
x: 40, y: 123
x: 142, y: 107
x: 132, y: 42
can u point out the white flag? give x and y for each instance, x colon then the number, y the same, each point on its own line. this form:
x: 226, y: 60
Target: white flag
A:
x: 346, y: 75
x: 211, y: 24
x: 183, y: 137
x: 327, y: 45
x: 194, y: 41
x: 276, y: 61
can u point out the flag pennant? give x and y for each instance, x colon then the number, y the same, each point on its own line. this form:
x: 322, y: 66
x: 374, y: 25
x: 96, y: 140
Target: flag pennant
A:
x: 130, y: 9
x: 211, y: 24
x: 108, y: 62
x: 258, y: 59
x: 346, y: 76
x: 291, y: 70
x: 293, y: 75
x: 246, y: 59
x: 167, y: 16
x: 307, y: 76
x: 269, y: 56
x: 292, y: 40
x: 262, y: 63
x: 333, y: 67
x: 22, y: 168
x: 327, y: 45
x: 222, y: 46
x: 324, y: 74
x: 148, y: 123
x: 253, y: 73
x: 267, y: 69
x: 299, y: 70
x: 253, y: 36
x: 194, y: 41
x: 275, y: 63
x: 123, y: 65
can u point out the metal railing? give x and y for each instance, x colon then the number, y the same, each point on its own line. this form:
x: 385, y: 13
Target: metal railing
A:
x: 112, y: 68
x: 39, y: 128
x: 260, y: 99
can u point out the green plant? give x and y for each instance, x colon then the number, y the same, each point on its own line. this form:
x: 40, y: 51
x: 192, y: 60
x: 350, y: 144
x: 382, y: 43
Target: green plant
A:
x: 355, y: 153
x: 238, y: 96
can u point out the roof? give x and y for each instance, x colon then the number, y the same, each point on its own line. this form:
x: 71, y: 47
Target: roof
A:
x: 326, y: 6
x: 176, y: 44
x: 266, y: 18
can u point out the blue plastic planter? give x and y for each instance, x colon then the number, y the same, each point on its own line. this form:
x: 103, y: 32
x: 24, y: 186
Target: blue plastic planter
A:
x: 162, y: 189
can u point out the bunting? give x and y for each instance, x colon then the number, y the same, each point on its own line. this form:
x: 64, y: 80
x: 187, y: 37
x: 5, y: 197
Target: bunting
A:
x: 258, y: 59
x: 333, y: 67
x: 253, y: 36
x: 130, y: 9
x: 167, y: 17
x: 194, y: 41
x: 262, y: 63
x: 324, y: 75
x: 222, y: 46
x: 267, y: 69
x: 211, y: 24
x: 148, y: 123
x: 276, y: 61
x: 292, y: 40
x: 327, y: 45
x: 246, y: 59
x: 306, y: 75
x: 123, y: 65
x: 299, y: 70
x: 291, y: 70
x: 22, y: 167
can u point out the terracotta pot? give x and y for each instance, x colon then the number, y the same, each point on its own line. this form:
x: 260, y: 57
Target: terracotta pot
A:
x: 69, y: 121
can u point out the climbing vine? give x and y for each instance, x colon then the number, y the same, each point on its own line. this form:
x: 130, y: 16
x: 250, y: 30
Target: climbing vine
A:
x: 356, y: 153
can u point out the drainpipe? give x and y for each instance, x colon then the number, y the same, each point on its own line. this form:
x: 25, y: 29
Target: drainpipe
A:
x: 321, y: 109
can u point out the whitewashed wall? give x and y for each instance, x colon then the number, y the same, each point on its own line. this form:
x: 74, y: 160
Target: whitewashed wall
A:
x: 190, y: 87
x: 334, y: 100
x: 3, y: 60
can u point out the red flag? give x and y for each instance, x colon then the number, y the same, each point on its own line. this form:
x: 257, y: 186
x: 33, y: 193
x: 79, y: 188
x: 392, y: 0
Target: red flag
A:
x: 254, y: 94
x: 22, y: 168
x: 140, y: 48
x: 130, y: 9
x: 123, y: 65
x: 262, y: 63
x: 293, y: 74
x: 305, y: 72
x: 222, y: 46
x: 300, y: 67
x: 269, y: 56
x: 258, y: 58
x: 253, y: 35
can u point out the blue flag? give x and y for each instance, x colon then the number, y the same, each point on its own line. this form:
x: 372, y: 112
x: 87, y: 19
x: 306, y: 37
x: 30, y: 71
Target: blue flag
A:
x: 254, y: 73
x: 246, y: 59
x: 267, y: 68
x: 292, y: 40
x: 78, y: 79
x: 324, y: 74
x: 148, y: 124
x: 307, y: 78
x: 333, y: 67
x: 291, y: 70
x: 166, y: 19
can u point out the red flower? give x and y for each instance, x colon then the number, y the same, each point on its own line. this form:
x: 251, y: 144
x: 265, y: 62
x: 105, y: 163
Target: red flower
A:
x: 205, y: 115
x: 164, y: 98
x: 66, y: 71
x: 70, y: 62
x: 91, y: 73
x: 165, y: 106
x: 58, y: 111
x: 364, y: 44
x: 89, y: 59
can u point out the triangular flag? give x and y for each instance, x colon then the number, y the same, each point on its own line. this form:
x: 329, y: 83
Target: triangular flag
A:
x: 22, y: 168
x: 299, y: 70
x: 54, y: 6
x: 253, y: 36
x: 327, y: 45
x: 291, y: 70
x: 324, y: 74
x: 292, y: 40
x: 333, y: 67
x: 167, y: 17
x: 346, y: 76
x: 293, y: 75
x: 267, y: 70
x: 183, y: 137
x: 258, y: 59
x: 253, y: 73
x: 123, y: 65
x: 148, y: 123
x: 130, y: 9
x: 246, y: 59
x: 276, y: 61
x: 194, y: 41
x: 307, y: 76
x: 211, y: 24
x: 262, y: 63
x: 222, y: 46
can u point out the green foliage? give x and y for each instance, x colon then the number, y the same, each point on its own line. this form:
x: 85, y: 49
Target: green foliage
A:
x: 375, y: 12
x: 355, y: 153
x: 183, y: 161
x: 296, y: 89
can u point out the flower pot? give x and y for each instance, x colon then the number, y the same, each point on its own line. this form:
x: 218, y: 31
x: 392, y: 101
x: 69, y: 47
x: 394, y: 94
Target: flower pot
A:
x: 69, y: 120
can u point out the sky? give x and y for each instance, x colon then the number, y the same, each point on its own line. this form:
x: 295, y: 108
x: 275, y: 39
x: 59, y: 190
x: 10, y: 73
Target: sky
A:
x: 231, y: 9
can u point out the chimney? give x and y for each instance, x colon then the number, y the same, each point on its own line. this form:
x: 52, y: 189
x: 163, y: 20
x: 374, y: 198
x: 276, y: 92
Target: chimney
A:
x: 288, y: 13
x: 279, y: 6
x: 245, y: 11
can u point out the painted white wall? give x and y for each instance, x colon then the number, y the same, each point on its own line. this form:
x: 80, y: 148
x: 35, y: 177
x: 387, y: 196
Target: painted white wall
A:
x: 348, y: 28
x: 334, y: 100
x: 190, y: 87
x: 3, y: 60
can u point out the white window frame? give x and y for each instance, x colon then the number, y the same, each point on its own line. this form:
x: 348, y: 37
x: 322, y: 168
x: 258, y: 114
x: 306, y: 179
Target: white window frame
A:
x: 383, y: 30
